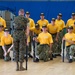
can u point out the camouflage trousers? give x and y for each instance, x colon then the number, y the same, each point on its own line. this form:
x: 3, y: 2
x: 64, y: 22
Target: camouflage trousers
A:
x: 19, y: 50
x: 70, y: 51
x: 60, y: 41
x: 1, y: 52
x: 55, y: 44
x: 7, y: 58
x: 43, y: 52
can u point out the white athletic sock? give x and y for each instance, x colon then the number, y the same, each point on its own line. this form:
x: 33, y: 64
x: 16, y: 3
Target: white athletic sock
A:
x: 37, y: 56
x: 71, y: 57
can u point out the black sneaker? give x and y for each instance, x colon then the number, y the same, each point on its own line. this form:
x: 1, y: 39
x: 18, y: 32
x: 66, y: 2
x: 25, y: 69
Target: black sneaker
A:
x: 10, y: 58
x: 51, y: 58
x: 58, y: 54
x: 54, y: 56
x: 70, y: 60
x: 36, y: 60
x: 74, y: 55
x: 30, y: 55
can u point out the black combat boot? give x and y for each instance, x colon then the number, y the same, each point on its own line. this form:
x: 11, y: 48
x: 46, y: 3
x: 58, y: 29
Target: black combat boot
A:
x: 70, y: 60
x: 17, y: 66
x: 21, y: 67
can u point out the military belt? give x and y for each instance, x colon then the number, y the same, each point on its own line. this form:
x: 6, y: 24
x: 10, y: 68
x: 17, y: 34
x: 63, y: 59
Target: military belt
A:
x: 53, y: 34
x: 8, y: 45
x: 44, y: 44
x: 60, y: 30
x: 70, y: 45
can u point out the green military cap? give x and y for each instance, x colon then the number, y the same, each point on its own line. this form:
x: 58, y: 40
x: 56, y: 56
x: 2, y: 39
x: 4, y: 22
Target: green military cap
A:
x: 73, y: 14
x: 36, y: 25
x: 59, y: 14
x: 44, y: 26
x: 6, y: 30
x: 53, y: 19
x: 70, y: 27
x: 27, y: 12
x: 42, y: 14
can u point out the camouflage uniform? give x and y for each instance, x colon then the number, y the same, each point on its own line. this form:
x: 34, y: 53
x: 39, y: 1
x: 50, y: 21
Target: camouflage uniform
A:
x: 55, y: 44
x: 43, y: 52
x: 60, y: 41
x: 20, y: 25
x: 70, y: 51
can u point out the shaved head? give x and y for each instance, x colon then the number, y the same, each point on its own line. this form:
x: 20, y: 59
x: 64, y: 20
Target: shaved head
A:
x: 21, y: 12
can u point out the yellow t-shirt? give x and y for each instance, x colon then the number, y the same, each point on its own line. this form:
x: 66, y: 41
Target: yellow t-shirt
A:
x: 53, y: 28
x: 45, y: 38
x: 31, y: 23
x: 70, y: 22
x: 60, y: 23
x: 42, y: 22
x: 6, y: 40
x: 1, y: 34
x: 35, y: 30
x: 2, y: 22
x: 69, y: 36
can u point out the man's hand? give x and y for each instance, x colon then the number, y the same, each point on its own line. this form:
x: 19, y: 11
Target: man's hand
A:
x: 5, y: 54
x: 50, y: 51
x: 8, y: 51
